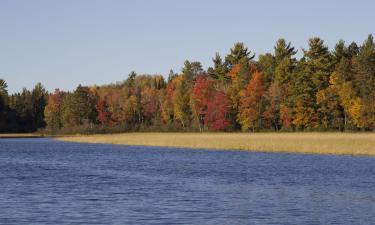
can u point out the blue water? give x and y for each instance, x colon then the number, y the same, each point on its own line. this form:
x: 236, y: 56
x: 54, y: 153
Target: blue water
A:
x: 48, y: 182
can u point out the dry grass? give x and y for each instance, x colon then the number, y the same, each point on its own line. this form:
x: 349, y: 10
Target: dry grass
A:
x: 319, y: 143
x: 20, y: 135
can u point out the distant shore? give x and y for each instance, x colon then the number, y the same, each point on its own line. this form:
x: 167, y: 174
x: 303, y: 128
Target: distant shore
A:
x: 313, y: 143
x: 21, y: 135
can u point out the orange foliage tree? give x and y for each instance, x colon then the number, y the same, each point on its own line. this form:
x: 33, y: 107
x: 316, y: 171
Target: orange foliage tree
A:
x: 250, y: 108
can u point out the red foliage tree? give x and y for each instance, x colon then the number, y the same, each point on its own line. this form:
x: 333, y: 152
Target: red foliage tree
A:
x: 285, y: 117
x: 202, y: 92
x: 272, y: 112
x: 150, y: 102
x: 104, y: 114
x: 167, y: 105
x: 217, y: 110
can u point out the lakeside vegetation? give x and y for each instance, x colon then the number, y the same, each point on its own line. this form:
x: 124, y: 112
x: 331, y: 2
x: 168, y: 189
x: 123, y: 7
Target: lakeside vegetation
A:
x: 316, y: 143
x: 20, y: 135
x: 324, y: 90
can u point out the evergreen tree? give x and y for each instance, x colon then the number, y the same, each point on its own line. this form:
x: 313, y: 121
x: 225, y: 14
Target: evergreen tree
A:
x: 283, y: 50
x: 79, y: 108
x: 239, y: 54
x: 3, y: 104
x: 318, y: 67
x: 3, y: 88
x: 129, y: 82
x: 3, y: 95
x: 303, y: 97
x: 39, y: 102
x: 318, y: 63
x: 267, y: 64
x: 341, y: 51
x: 171, y: 75
x: 364, y: 80
x: 353, y: 49
x: 219, y: 71
x: 191, y: 70
x: 280, y: 82
x: 364, y: 66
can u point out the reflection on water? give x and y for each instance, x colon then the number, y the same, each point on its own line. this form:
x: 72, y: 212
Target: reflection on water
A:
x: 47, y: 182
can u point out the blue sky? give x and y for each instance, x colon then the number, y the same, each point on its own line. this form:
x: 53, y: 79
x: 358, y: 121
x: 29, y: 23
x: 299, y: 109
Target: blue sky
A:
x: 66, y: 43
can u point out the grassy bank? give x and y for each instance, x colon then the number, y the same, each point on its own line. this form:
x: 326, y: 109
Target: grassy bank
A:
x: 20, y: 135
x: 319, y: 143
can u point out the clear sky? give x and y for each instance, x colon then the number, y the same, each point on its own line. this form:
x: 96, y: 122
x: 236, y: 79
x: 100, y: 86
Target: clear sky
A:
x: 70, y: 42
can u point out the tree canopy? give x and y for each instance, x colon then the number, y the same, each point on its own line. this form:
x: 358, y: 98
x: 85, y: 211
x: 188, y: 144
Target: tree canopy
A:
x: 323, y: 90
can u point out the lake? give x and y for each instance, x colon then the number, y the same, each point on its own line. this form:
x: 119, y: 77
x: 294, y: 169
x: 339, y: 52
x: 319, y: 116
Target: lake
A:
x: 43, y: 181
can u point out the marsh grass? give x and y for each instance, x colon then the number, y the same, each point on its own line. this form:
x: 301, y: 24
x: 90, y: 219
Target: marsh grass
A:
x: 20, y: 135
x: 319, y: 143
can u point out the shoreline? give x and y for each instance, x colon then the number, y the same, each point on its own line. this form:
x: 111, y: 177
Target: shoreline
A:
x: 21, y: 135
x: 355, y: 144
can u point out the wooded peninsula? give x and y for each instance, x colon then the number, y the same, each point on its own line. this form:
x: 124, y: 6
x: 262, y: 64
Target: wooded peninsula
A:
x: 323, y: 90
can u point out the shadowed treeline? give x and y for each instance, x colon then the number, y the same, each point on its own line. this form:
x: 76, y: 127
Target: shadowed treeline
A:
x: 324, y: 90
x: 24, y: 111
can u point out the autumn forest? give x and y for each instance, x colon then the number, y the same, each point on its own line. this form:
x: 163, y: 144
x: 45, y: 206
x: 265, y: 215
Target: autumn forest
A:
x: 323, y: 90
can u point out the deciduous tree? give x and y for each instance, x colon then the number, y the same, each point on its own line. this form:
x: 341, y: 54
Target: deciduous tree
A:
x: 250, y: 108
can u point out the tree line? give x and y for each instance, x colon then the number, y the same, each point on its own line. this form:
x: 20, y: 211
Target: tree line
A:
x: 24, y: 111
x: 324, y: 90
